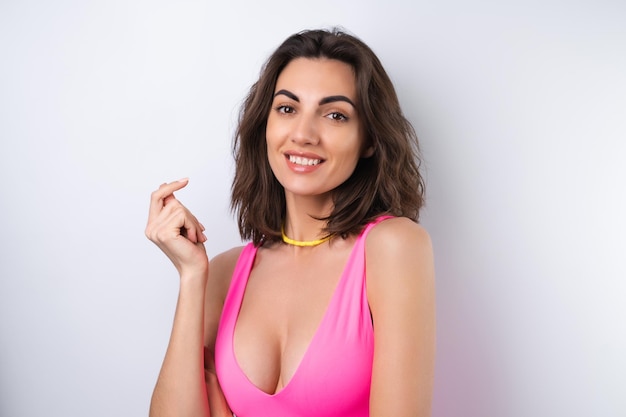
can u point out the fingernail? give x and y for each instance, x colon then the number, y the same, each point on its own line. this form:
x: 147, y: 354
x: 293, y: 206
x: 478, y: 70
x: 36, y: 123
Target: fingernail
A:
x: 184, y: 179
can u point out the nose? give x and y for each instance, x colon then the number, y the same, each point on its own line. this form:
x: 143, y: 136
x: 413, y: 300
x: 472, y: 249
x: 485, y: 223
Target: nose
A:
x: 305, y: 130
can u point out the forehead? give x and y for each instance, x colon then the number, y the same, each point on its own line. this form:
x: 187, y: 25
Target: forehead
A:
x: 318, y: 76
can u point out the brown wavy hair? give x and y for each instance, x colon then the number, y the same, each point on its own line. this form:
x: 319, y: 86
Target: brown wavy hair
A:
x: 388, y: 182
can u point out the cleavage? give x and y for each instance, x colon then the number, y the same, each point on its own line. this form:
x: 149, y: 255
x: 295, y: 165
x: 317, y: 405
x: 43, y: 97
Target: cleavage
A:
x: 282, y: 309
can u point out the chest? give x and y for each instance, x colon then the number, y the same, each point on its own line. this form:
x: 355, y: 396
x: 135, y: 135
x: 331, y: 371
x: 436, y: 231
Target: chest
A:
x: 284, y: 304
x: 305, y: 351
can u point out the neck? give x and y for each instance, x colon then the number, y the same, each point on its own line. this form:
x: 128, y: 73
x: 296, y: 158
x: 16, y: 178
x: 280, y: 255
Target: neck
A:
x: 303, y: 243
x: 300, y: 223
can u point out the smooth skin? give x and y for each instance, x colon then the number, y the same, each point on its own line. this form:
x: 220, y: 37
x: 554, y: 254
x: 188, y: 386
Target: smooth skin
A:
x: 290, y: 287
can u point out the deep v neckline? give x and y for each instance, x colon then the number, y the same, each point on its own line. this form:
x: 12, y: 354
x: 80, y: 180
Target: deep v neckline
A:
x: 316, y: 334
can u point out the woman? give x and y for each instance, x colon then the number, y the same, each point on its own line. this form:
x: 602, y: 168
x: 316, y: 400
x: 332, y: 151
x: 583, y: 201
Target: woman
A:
x: 300, y: 322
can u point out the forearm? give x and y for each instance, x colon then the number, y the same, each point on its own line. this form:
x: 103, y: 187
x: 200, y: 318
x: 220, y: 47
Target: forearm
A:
x: 181, y: 390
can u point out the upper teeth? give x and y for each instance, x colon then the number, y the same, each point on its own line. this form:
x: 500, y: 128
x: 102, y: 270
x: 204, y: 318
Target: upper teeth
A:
x: 303, y: 161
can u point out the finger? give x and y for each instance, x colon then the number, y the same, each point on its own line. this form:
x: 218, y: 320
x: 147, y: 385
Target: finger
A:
x: 192, y: 231
x: 201, y: 237
x: 158, y: 197
x: 167, y: 227
x: 169, y: 218
x: 192, y: 228
x: 200, y: 229
x: 176, y: 216
x: 168, y: 199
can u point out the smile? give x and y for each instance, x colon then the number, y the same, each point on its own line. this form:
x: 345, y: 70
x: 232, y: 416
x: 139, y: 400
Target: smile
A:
x: 298, y: 160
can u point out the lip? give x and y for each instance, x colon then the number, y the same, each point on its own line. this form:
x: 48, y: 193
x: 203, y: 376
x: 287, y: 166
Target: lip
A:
x: 303, y: 169
x: 309, y: 155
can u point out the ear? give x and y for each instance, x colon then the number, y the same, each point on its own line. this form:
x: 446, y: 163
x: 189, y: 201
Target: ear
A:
x: 367, y: 152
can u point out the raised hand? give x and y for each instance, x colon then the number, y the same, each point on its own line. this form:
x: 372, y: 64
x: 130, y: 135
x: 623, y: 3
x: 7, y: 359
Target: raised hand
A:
x: 176, y: 231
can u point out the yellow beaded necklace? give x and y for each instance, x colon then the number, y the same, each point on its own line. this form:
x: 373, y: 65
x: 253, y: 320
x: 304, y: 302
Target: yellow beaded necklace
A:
x: 302, y: 243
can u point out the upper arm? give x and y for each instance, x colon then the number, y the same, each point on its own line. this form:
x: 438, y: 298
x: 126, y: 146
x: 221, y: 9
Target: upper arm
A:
x: 220, y: 273
x: 401, y: 293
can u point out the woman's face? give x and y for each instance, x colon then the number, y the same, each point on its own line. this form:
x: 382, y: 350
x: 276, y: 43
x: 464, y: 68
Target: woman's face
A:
x: 314, y: 136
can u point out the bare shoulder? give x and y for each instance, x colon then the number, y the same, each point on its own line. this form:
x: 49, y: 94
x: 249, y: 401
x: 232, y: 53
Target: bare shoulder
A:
x: 223, y: 265
x: 399, y: 255
x: 398, y: 237
x: 221, y: 270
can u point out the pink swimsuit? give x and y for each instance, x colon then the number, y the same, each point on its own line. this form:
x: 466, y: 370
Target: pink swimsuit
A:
x: 334, y: 376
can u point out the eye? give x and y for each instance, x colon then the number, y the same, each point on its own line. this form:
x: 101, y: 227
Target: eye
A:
x: 285, y: 109
x: 337, y: 117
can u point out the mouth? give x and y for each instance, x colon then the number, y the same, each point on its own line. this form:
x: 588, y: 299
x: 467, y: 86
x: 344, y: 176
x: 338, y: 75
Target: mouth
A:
x: 302, y: 161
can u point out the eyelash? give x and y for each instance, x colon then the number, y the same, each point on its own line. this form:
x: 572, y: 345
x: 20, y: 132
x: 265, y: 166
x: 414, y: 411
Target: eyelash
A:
x: 283, y: 109
x: 338, y: 117
x: 335, y: 116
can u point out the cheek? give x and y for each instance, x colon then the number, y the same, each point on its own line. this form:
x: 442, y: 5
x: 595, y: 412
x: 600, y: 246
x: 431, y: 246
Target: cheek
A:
x: 269, y: 141
x: 272, y: 132
x: 352, y: 146
x: 271, y: 146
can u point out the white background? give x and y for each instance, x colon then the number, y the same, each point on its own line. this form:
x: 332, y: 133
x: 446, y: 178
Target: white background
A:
x: 521, y: 113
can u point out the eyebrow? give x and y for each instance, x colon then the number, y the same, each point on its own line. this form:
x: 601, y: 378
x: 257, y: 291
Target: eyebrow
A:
x: 325, y: 100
